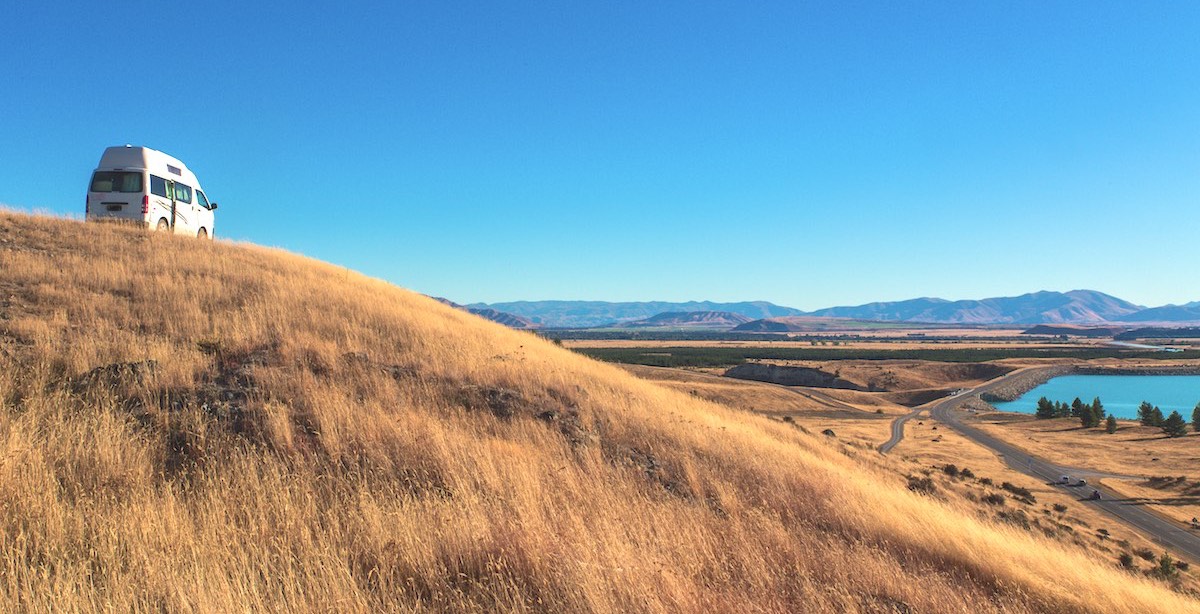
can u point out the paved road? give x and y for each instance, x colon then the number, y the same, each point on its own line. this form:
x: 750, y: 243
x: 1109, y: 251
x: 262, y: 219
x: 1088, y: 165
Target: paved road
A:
x: 1167, y: 533
x: 898, y: 429
x: 898, y: 423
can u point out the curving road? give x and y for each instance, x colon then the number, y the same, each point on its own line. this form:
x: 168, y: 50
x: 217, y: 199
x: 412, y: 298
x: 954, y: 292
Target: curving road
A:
x: 1167, y: 533
x: 953, y: 401
x: 898, y: 428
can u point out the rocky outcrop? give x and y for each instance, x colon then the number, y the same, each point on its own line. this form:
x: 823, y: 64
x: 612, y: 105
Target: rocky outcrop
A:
x: 790, y: 376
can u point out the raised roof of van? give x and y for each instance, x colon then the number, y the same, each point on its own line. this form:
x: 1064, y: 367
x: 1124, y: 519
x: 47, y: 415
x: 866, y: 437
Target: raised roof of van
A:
x: 157, y: 162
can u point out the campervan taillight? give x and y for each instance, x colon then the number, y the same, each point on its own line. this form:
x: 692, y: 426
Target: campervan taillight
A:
x: 145, y: 204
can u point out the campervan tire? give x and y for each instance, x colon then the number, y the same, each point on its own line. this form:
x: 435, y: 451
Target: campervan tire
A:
x: 163, y: 225
x: 203, y: 234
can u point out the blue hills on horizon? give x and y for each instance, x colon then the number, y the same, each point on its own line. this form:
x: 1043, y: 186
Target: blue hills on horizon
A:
x: 1078, y: 307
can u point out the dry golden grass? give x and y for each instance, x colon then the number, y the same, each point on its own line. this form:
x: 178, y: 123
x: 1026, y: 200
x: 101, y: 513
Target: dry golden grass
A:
x: 1133, y: 450
x: 931, y: 445
x: 764, y: 398
x: 314, y: 440
x: 853, y: 419
x: 741, y: 394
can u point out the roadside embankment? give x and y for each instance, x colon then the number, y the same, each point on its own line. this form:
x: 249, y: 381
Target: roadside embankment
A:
x: 1020, y: 383
x: 790, y: 376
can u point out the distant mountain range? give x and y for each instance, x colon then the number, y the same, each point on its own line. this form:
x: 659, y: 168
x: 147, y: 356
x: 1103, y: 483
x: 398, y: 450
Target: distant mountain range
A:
x: 589, y: 314
x: 507, y: 319
x: 814, y: 324
x: 1086, y: 307
x: 1077, y: 306
x: 1170, y: 313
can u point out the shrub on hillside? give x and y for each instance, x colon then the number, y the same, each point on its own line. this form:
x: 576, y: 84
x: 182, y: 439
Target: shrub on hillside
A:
x: 1016, y: 518
x: 1023, y: 494
x: 924, y: 486
x: 1165, y: 570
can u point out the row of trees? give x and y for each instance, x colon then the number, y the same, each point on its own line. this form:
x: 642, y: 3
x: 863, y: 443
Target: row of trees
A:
x: 1173, y: 425
x: 1090, y: 415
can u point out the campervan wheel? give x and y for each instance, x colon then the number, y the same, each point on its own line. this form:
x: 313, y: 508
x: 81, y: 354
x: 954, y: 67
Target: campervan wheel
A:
x: 163, y: 225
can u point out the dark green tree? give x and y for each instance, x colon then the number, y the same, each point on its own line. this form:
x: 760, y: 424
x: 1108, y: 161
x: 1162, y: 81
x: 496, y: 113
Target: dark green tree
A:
x: 1110, y: 425
x: 1174, y: 426
x: 1196, y: 418
x: 1157, y: 416
x: 1098, y: 409
x: 1146, y: 414
x: 1045, y: 409
x: 1062, y: 409
x: 1077, y: 407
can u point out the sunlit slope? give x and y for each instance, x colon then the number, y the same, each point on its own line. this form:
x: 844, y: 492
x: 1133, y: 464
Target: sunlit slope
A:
x: 209, y: 427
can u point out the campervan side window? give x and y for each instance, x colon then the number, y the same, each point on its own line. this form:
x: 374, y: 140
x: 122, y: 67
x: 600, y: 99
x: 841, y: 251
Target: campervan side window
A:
x: 116, y: 181
x: 158, y: 186
x: 200, y: 198
x: 183, y: 193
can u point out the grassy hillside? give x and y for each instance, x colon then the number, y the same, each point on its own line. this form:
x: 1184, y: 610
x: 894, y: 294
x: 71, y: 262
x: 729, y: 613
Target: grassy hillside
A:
x: 187, y: 426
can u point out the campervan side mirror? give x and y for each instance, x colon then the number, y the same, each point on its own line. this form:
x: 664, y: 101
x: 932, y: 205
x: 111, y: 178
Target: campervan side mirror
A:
x: 212, y: 206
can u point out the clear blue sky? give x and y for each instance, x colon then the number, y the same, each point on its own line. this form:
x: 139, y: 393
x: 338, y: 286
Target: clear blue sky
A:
x: 806, y: 154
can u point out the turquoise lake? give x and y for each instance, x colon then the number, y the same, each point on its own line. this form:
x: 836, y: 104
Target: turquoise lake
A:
x: 1121, y: 394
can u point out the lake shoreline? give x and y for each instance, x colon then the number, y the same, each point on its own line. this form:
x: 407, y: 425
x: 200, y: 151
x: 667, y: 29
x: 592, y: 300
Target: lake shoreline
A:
x: 1022, y: 384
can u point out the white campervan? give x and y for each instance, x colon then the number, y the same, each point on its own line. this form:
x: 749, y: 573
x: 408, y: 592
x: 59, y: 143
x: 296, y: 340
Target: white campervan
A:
x: 142, y: 185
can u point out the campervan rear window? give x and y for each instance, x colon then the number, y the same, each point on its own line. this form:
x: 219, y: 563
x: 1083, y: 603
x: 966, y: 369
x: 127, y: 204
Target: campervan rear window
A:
x: 116, y: 181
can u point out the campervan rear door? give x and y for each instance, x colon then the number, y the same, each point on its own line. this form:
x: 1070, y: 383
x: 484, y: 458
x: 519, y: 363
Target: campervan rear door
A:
x: 116, y: 194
